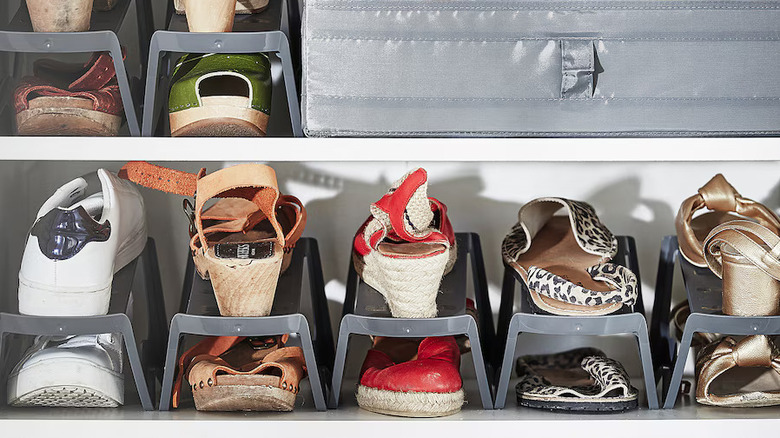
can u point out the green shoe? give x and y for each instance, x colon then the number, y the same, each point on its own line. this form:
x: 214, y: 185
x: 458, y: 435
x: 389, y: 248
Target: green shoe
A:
x: 220, y: 95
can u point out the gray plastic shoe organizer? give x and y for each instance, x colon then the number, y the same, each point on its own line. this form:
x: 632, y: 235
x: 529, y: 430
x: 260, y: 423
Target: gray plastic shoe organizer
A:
x: 18, y: 37
x: 199, y: 315
x: 628, y: 321
x: 539, y: 68
x: 704, y: 290
x: 139, y: 279
x: 252, y: 33
x: 366, y: 313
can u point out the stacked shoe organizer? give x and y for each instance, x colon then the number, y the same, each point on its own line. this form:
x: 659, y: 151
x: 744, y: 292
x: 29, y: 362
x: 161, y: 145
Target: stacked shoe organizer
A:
x: 732, y: 282
x: 576, y: 278
x: 62, y: 99
x: 86, y: 251
x: 406, y: 289
x: 249, y: 257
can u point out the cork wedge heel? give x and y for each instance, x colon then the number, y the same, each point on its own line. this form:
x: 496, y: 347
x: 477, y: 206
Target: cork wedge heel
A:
x: 244, y: 241
x: 405, y: 248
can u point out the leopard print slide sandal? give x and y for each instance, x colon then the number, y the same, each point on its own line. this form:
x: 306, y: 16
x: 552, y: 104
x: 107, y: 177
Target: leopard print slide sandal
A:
x: 564, y: 260
x: 583, y: 379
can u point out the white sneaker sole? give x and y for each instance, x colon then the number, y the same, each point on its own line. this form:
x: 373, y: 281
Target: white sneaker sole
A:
x: 40, y: 300
x: 68, y: 382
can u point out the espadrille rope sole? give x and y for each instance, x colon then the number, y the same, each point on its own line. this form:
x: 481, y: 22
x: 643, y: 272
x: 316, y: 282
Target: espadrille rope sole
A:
x: 243, y: 287
x: 410, y: 404
x: 409, y: 286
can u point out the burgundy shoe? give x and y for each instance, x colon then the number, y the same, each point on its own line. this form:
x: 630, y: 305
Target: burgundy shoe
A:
x: 63, y: 99
x: 425, y: 385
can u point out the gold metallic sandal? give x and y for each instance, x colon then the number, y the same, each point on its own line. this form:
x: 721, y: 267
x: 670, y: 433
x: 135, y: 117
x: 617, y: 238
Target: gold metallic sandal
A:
x: 729, y: 373
x: 746, y: 256
x: 725, y: 204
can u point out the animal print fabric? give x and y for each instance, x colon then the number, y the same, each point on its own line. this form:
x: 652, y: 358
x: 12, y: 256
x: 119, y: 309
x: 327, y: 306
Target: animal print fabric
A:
x: 608, y: 375
x: 622, y: 281
x: 592, y: 236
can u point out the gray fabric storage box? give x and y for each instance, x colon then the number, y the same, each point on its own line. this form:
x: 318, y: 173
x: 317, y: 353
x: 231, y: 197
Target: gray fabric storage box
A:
x: 534, y: 68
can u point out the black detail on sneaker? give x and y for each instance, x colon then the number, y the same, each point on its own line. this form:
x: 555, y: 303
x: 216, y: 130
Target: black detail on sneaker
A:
x: 252, y: 250
x: 63, y: 233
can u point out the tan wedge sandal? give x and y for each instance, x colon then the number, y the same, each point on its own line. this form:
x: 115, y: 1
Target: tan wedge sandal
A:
x: 228, y: 373
x: 746, y: 256
x: 245, y: 240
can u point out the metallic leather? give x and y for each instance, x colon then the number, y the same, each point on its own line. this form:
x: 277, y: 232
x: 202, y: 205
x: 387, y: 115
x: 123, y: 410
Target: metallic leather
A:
x: 717, y: 195
x: 745, y: 255
x: 756, y: 351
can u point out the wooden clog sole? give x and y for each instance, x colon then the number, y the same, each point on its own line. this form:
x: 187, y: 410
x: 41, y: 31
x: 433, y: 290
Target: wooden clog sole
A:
x: 66, y: 116
x: 223, y: 116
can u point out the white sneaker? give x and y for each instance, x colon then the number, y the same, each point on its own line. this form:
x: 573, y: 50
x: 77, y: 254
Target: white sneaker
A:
x: 82, y: 235
x: 72, y: 371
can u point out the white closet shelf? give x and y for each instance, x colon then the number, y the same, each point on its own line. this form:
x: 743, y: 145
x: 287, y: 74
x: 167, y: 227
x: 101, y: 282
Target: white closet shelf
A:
x: 382, y: 149
x: 690, y: 421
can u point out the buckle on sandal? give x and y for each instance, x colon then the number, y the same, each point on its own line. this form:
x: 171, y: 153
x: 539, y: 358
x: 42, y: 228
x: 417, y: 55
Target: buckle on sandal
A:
x: 259, y: 343
x: 189, y: 211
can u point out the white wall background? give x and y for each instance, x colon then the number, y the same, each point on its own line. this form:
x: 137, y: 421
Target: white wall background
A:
x: 638, y: 199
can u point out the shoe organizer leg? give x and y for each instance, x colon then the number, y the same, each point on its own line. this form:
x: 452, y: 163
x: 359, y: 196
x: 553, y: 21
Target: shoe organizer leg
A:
x: 704, y: 323
x: 78, y: 42
x: 410, y: 328
x: 235, y: 326
x: 59, y: 326
x: 236, y: 42
x: 632, y: 323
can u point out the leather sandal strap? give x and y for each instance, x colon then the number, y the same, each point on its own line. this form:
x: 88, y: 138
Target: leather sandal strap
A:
x: 212, y: 346
x: 755, y: 242
x: 623, y: 283
x: 721, y: 356
x: 101, y: 71
x: 290, y: 205
x: 254, y: 182
x: 288, y: 361
x: 717, y: 195
x: 161, y: 178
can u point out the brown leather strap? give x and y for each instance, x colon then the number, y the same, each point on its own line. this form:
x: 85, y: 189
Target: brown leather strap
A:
x: 296, y: 215
x: 717, y: 195
x: 234, y: 215
x: 212, y: 346
x: 755, y: 242
x: 255, y: 182
x: 244, y: 359
x: 161, y: 178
